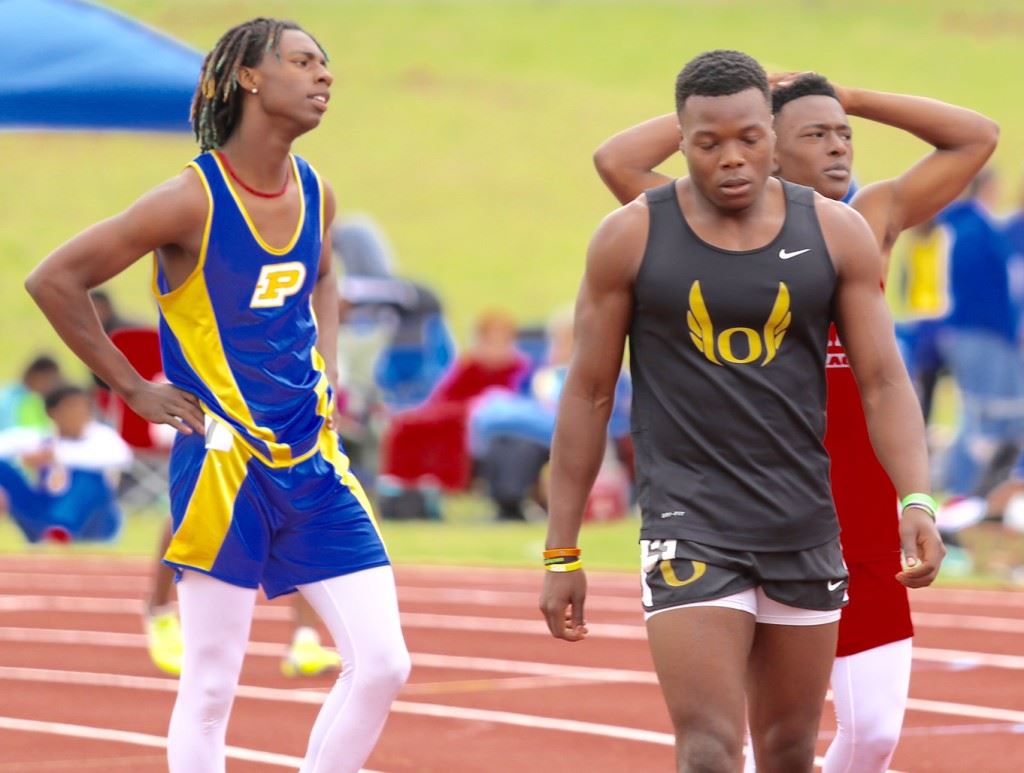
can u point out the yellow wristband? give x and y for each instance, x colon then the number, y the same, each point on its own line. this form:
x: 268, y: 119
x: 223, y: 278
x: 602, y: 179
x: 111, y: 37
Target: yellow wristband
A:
x: 570, y: 567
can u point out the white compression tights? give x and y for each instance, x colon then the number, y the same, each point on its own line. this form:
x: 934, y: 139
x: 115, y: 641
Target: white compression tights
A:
x: 869, y: 693
x: 361, y: 613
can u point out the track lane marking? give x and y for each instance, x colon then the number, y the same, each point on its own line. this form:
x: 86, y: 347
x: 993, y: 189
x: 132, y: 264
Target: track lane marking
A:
x: 138, y: 739
x: 629, y: 631
x: 277, y: 694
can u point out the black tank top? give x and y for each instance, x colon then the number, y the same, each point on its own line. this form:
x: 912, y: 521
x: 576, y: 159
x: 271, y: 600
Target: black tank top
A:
x: 727, y: 354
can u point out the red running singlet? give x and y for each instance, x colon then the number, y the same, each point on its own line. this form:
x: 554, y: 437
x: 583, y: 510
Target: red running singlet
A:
x: 867, y: 506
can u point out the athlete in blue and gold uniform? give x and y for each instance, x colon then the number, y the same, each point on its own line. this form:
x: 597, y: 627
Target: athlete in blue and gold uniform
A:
x: 268, y: 450
x: 261, y: 492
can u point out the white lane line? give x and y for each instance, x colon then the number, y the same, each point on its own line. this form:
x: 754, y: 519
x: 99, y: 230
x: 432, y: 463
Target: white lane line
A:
x: 279, y: 695
x: 128, y: 587
x: 966, y: 658
x: 106, y: 583
x: 529, y: 668
x: 481, y: 624
x: 138, y: 739
x: 132, y: 586
x: 965, y: 710
x: 531, y: 627
x: 468, y: 663
x: 112, y: 639
x: 623, y: 583
x: 488, y: 684
x: 620, y: 580
x: 118, y: 606
x: 968, y: 622
x: 56, y: 676
x: 421, y: 659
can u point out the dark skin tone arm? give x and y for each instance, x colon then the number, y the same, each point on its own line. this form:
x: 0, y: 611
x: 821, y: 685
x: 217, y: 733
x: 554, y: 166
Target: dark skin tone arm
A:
x: 891, y: 407
x: 627, y: 161
x: 604, y: 308
x: 169, y: 219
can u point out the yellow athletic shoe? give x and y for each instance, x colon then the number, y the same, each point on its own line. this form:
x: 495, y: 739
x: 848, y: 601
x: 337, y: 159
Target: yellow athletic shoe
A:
x: 307, y: 657
x: 165, y: 648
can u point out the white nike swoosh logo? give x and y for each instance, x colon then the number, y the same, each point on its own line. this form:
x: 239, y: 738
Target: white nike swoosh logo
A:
x: 787, y: 255
x: 835, y: 585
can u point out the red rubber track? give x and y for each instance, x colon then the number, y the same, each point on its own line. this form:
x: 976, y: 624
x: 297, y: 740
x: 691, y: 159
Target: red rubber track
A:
x: 490, y: 690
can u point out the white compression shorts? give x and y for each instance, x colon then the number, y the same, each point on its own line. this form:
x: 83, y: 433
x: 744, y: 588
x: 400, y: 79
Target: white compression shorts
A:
x: 764, y: 609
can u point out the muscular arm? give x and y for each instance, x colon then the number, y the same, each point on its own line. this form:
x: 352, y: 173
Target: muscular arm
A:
x: 626, y: 162
x: 963, y: 141
x: 891, y: 407
x: 325, y: 296
x: 171, y: 216
x: 603, y: 310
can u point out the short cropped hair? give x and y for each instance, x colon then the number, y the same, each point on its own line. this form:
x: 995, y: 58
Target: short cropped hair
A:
x: 720, y: 73
x: 809, y: 85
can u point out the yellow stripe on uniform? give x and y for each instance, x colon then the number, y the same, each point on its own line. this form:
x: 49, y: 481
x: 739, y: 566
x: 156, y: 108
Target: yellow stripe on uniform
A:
x: 330, y: 449
x: 198, y: 538
x: 323, y: 405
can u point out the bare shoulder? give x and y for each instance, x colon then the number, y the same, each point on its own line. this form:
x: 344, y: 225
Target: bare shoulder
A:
x: 849, y: 238
x: 618, y: 245
x: 875, y: 202
x: 183, y: 199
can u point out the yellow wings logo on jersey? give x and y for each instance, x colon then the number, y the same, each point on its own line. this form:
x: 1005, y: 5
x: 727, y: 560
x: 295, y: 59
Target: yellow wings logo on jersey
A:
x: 777, y: 325
x: 702, y: 331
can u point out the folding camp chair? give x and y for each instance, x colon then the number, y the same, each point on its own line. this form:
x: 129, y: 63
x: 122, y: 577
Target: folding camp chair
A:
x: 145, y: 483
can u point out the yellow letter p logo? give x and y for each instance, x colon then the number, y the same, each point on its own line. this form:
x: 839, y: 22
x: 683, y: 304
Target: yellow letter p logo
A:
x: 277, y: 281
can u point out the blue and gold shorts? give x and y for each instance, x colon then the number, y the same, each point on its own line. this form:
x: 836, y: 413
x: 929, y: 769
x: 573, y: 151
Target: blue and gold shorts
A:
x: 248, y: 524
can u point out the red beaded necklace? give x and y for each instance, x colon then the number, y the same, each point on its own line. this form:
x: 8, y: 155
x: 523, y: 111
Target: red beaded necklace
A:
x: 253, y: 191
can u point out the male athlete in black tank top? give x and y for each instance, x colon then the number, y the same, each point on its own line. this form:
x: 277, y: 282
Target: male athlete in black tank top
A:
x: 728, y: 389
x: 729, y: 421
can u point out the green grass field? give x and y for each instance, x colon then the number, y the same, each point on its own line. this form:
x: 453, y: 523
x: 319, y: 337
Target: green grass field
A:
x: 468, y: 535
x: 467, y: 127
x: 469, y: 538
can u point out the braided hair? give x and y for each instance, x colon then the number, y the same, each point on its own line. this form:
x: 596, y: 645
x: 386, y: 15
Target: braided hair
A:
x: 217, y: 103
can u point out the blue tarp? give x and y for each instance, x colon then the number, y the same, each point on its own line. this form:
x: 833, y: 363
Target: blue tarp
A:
x: 68, y: 64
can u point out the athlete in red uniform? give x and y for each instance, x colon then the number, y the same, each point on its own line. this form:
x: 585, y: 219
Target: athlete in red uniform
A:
x: 871, y: 674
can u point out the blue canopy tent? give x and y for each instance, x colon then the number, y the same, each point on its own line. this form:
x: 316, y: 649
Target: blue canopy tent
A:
x: 69, y: 64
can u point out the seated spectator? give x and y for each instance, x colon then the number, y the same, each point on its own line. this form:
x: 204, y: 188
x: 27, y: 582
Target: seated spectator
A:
x: 919, y: 295
x: 21, y: 404
x: 393, y: 343
x: 58, y: 483
x: 429, y: 442
x: 492, y: 361
x: 979, y: 338
x: 510, y: 434
x: 1013, y: 229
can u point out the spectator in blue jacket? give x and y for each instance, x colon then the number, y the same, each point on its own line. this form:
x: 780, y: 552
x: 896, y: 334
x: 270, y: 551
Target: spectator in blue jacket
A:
x: 979, y: 342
